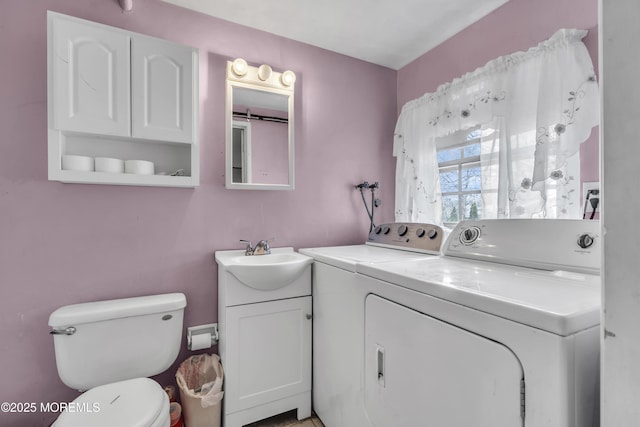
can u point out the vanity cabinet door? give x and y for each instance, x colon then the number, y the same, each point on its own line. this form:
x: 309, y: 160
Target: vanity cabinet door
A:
x: 269, y: 352
x: 90, y: 78
x: 163, y: 76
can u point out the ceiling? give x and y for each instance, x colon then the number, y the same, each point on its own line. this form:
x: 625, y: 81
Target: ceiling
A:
x: 390, y: 33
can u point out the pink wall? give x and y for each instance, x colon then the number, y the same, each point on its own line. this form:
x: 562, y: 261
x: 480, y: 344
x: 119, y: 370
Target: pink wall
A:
x: 67, y: 243
x: 516, y: 26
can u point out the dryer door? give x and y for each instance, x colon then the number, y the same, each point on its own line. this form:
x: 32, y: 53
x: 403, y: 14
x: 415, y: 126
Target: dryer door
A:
x: 420, y: 371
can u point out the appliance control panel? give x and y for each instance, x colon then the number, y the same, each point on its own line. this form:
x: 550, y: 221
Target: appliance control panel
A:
x: 417, y: 237
x: 550, y: 244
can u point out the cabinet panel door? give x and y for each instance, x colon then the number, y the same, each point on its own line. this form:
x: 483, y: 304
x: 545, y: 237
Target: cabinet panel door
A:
x: 420, y: 371
x: 268, y: 353
x: 90, y: 66
x: 162, y: 77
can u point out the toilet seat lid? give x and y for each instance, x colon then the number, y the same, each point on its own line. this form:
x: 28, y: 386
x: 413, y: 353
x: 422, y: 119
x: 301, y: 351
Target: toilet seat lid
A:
x: 135, y: 403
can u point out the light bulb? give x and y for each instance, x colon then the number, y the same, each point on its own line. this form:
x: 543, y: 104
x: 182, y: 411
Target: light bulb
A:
x: 288, y: 78
x: 264, y: 72
x: 239, y: 67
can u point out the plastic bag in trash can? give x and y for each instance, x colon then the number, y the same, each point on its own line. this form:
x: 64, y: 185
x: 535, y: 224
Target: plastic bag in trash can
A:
x: 200, y: 380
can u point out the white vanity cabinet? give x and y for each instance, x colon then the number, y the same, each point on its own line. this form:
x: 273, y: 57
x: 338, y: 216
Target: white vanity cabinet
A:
x: 268, y: 353
x: 265, y: 341
x: 115, y: 93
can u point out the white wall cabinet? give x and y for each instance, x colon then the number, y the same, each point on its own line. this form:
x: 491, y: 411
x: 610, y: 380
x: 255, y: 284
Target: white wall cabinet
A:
x: 115, y: 93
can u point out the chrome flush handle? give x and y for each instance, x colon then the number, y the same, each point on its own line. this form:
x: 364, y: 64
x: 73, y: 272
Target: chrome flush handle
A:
x: 66, y: 331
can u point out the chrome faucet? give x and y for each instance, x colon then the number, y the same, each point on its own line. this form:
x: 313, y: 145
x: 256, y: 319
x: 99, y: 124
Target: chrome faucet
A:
x: 261, y: 248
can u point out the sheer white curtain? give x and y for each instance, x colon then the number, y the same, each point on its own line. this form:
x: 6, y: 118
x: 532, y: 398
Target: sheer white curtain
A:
x: 535, y: 108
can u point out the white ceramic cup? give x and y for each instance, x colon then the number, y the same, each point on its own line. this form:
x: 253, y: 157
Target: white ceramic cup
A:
x: 77, y: 163
x: 139, y: 167
x: 108, y: 164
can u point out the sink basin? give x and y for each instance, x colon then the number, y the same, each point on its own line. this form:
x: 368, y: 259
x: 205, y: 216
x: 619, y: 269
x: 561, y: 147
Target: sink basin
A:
x: 264, y: 272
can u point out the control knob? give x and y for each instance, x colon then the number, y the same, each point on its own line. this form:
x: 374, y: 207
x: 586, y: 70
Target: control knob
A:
x: 432, y: 233
x: 402, y: 230
x: 469, y: 235
x: 386, y: 229
x: 420, y: 232
x: 585, y: 241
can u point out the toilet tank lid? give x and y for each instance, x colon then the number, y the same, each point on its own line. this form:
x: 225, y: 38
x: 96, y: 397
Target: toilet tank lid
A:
x: 115, y: 309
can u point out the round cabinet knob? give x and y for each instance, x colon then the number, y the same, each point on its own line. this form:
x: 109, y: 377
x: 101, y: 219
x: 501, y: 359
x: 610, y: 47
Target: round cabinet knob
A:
x: 402, y: 230
x: 386, y: 229
x: 469, y: 235
x: 420, y: 232
x: 585, y: 241
x: 378, y: 230
x: 432, y: 234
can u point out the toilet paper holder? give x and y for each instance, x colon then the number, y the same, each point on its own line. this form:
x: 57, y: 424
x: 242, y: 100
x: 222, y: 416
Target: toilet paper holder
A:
x: 194, y: 332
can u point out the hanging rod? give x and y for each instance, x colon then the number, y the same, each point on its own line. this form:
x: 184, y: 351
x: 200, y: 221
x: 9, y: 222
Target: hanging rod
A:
x: 251, y: 116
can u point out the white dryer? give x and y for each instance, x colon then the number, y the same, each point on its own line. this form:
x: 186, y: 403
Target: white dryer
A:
x: 338, y: 314
x: 501, y: 331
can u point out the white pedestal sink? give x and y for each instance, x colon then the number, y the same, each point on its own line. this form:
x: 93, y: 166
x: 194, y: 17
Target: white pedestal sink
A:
x: 264, y: 319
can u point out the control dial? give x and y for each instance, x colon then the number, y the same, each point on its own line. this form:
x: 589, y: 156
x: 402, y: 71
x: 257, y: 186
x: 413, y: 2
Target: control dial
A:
x: 420, y: 232
x: 585, y: 241
x: 402, y: 230
x: 386, y: 229
x: 469, y: 235
x: 432, y: 233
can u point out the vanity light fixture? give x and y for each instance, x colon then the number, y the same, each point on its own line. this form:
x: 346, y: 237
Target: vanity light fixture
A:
x: 239, y: 70
x: 288, y: 78
x: 240, y: 67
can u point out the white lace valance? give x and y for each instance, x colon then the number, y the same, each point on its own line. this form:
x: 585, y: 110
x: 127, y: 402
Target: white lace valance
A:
x: 547, y: 96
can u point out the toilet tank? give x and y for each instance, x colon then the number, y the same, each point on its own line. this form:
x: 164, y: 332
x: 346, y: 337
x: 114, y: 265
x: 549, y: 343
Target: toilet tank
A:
x: 106, y: 341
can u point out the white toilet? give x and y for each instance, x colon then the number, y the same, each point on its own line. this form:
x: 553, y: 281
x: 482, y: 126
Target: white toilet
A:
x: 108, y: 348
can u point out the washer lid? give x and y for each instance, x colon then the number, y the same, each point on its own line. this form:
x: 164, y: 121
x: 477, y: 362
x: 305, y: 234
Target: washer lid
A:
x: 559, y: 302
x: 346, y: 257
x: 132, y: 403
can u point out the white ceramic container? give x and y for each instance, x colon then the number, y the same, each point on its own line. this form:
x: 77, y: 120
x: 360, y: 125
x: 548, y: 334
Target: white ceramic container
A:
x: 108, y: 164
x: 77, y: 163
x: 139, y: 167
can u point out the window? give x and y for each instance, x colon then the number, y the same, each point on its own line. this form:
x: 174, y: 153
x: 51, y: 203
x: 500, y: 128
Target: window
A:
x: 460, y: 176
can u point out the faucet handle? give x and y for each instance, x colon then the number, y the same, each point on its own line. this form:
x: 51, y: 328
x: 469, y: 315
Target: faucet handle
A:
x: 249, y: 248
x: 262, y: 248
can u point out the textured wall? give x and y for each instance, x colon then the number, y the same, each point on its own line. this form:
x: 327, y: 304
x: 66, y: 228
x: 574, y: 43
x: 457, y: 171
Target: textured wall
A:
x: 70, y: 243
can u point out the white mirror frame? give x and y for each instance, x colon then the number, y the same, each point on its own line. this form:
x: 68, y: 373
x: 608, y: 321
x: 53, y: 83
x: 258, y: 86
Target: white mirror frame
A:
x: 241, y: 75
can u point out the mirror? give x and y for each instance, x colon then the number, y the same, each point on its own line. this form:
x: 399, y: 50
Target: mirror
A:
x: 259, y: 127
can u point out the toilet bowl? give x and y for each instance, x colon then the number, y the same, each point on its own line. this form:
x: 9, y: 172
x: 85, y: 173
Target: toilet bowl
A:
x: 109, y: 348
x: 137, y: 402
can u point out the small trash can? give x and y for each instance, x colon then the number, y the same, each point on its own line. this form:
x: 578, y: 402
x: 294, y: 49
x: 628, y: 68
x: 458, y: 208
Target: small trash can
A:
x: 199, y: 380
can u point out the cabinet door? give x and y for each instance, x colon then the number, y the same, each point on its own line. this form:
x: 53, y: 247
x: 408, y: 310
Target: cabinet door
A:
x: 164, y: 87
x: 90, y: 77
x: 268, y: 353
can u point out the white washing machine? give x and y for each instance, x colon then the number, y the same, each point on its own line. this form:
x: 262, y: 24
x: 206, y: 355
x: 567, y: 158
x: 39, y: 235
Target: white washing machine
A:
x: 501, y: 331
x: 338, y: 315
